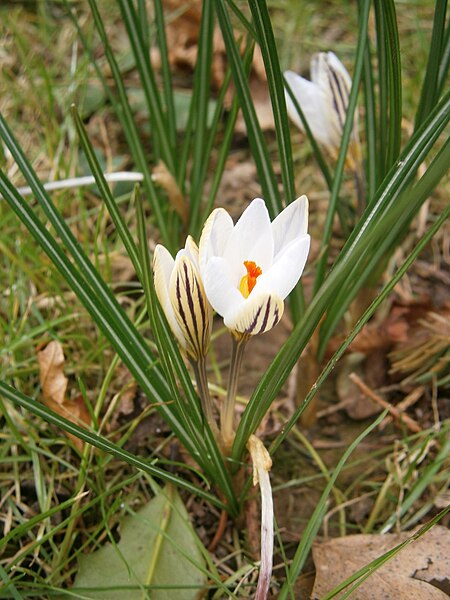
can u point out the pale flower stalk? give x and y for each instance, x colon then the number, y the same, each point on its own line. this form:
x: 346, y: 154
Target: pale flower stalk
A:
x: 262, y: 463
x: 248, y: 269
x: 180, y: 291
x: 324, y: 102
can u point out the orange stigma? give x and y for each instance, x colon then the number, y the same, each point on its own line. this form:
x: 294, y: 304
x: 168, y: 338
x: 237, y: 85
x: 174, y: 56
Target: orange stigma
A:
x: 248, y: 282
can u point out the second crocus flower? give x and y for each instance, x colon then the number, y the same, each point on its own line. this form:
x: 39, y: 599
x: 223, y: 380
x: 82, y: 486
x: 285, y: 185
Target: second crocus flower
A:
x: 324, y: 102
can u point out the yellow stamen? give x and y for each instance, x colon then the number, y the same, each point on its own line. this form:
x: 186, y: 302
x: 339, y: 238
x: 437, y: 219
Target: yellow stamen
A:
x: 248, y: 282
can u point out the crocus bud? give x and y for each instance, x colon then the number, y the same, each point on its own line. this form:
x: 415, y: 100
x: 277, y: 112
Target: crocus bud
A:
x: 324, y: 102
x: 182, y: 296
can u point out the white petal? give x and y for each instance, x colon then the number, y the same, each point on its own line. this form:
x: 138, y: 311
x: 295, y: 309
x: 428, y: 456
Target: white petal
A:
x: 319, y: 70
x: 215, y: 234
x: 163, y: 266
x: 292, y: 222
x: 223, y: 296
x: 315, y: 104
x: 345, y: 81
x: 258, y: 314
x: 192, y: 251
x: 251, y: 240
x: 335, y: 64
x: 286, y: 269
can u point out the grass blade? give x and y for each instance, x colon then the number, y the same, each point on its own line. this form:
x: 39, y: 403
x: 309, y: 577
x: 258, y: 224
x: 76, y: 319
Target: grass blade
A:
x: 125, y: 114
x: 256, y: 139
x: 166, y: 75
x: 199, y: 105
x: 430, y: 87
x: 101, y: 443
x: 269, y: 53
x: 148, y: 81
x: 315, y: 521
x: 106, y: 194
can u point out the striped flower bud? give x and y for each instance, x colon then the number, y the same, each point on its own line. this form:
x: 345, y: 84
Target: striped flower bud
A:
x: 324, y: 102
x: 182, y: 296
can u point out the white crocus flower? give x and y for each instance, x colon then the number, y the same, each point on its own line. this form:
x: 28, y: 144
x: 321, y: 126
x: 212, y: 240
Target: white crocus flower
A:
x: 249, y: 268
x: 324, y: 102
x: 182, y: 296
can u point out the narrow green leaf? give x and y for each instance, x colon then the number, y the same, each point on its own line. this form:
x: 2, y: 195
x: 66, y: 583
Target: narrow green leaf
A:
x: 125, y: 114
x: 269, y: 53
x: 395, y: 93
x: 199, y: 105
x: 372, y: 169
x: 389, y: 82
x: 148, y: 81
x: 8, y: 586
x: 106, y: 194
x: 445, y: 62
x: 430, y: 87
x: 255, y: 136
x: 168, y: 88
x: 227, y: 138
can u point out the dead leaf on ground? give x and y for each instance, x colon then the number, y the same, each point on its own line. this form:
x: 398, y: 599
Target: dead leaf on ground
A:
x: 54, y: 387
x: 420, y: 570
x: 372, y: 369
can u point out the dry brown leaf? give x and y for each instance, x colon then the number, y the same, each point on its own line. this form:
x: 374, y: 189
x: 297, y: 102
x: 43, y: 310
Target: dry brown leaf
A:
x: 164, y: 178
x: 356, y: 404
x: 54, y: 387
x: 420, y: 570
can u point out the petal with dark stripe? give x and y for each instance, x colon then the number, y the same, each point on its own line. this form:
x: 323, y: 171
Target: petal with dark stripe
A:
x: 258, y: 314
x: 191, y: 308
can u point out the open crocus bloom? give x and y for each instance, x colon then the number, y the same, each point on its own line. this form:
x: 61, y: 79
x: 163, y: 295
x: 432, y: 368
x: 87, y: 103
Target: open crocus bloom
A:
x: 182, y: 296
x: 324, y: 102
x: 249, y: 268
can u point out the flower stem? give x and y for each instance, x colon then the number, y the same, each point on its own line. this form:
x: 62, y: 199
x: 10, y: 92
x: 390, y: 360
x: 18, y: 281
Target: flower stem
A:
x: 262, y: 464
x: 201, y: 378
x: 227, y: 410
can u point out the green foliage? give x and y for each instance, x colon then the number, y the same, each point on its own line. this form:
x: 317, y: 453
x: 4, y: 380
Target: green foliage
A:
x: 402, y: 170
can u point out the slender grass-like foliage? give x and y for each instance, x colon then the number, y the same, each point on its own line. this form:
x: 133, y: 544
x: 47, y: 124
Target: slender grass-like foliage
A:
x: 400, y: 173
